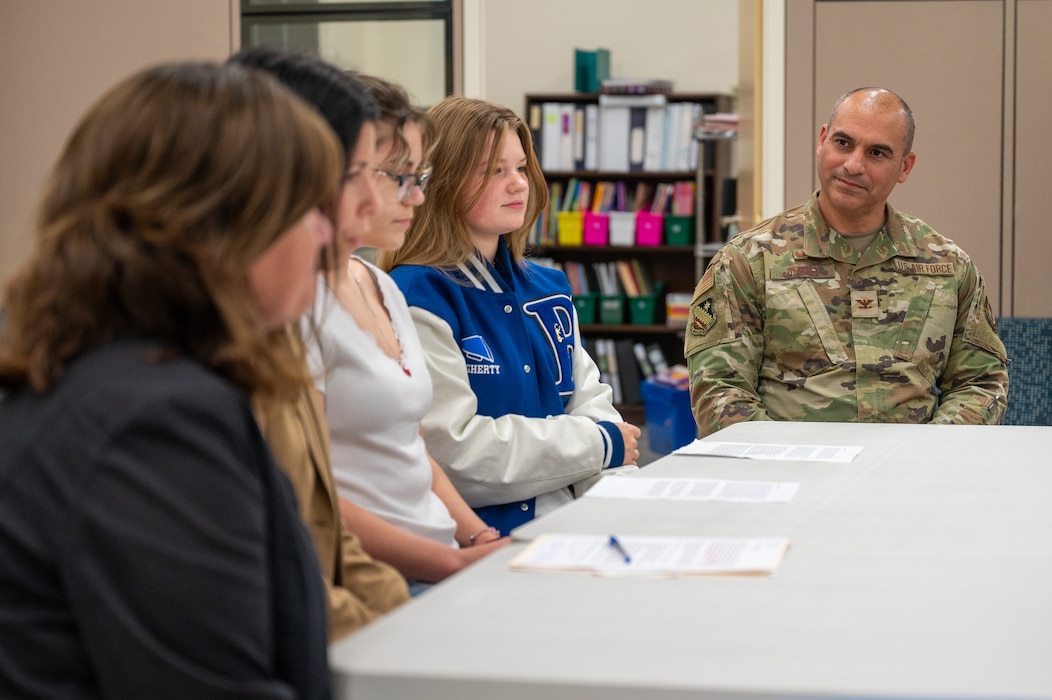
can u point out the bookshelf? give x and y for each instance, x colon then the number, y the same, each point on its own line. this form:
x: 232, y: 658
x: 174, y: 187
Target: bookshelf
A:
x: 643, y: 148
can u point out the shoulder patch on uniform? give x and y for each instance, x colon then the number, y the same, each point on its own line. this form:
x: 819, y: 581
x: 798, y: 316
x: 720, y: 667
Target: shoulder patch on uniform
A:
x: 705, y: 284
x: 711, y: 319
x: 702, y: 316
x: 982, y: 332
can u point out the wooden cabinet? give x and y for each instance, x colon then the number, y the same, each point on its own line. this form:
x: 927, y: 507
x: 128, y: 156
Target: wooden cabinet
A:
x: 666, y: 242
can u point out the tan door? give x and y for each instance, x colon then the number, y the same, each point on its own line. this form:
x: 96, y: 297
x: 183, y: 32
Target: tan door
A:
x: 945, y: 58
x: 1031, y: 254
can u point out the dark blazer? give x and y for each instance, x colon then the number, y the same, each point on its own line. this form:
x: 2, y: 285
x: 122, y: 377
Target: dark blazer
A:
x: 149, y: 546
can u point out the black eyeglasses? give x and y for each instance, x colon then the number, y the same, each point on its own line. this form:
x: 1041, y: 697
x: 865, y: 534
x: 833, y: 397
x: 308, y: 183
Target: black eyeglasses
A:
x: 406, y: 182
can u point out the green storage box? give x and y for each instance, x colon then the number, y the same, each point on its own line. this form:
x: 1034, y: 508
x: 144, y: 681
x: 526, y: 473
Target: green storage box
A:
x: 643, y: 310
x: 611, y: 308
x: 649, y: 309
x: 586, y: 307
x: 679, y: 230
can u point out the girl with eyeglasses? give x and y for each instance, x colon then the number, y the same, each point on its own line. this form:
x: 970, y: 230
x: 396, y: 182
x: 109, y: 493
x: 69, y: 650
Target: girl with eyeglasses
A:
x: 371, y: 373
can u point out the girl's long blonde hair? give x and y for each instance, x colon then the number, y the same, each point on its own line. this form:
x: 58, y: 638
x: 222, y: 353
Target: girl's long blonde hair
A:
x: 439, y: 236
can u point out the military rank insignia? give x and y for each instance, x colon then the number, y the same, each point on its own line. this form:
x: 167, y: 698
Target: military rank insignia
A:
x: 864, y: 304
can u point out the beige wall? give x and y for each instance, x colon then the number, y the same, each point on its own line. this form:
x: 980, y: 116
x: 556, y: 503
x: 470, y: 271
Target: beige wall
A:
x: 528, y: 46
x: 57, y: 57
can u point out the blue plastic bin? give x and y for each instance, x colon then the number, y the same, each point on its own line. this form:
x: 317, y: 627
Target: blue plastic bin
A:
x: 670, y: 423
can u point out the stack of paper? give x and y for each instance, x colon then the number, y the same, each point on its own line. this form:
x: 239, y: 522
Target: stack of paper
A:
x: 669, y: 556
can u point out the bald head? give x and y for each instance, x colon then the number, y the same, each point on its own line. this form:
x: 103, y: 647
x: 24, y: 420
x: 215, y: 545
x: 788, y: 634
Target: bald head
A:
x: 878, y: 100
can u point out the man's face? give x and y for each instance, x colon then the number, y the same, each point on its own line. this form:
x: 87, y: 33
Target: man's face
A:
x: 860, y: 160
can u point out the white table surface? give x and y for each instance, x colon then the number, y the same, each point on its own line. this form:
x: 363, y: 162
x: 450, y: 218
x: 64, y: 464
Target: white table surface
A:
x: 923, y: 568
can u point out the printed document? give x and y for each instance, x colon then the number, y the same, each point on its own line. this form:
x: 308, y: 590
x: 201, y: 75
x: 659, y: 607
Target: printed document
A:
x: 642, y: 488
x: 793, y: 453
x: 633, y: 555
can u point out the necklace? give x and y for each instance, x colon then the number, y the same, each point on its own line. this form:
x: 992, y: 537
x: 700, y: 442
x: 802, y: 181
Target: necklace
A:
x: 391, y: 348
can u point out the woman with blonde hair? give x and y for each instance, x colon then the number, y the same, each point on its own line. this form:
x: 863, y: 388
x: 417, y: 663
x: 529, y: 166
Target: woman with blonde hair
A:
x: 519, y: 421
x: 149, y: 546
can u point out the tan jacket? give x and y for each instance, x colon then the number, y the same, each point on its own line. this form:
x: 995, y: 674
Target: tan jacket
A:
x: 360, y: 589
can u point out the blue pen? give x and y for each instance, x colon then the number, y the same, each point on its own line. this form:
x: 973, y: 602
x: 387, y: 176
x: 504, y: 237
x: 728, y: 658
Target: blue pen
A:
x: 616, y: 544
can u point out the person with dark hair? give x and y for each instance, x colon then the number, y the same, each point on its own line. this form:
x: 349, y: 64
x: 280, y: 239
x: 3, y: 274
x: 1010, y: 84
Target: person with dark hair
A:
x: 360, y: 588
x: 149, y: 545
x: 844, y: 308
x: 346, y: 106
x: 519, y: 421
x: 371, y: 374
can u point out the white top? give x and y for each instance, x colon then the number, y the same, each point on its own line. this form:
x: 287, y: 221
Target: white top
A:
x: 373, y: 408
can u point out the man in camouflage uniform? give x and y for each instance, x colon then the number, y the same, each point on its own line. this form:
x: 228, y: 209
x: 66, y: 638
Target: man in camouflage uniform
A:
x: 844, y: 309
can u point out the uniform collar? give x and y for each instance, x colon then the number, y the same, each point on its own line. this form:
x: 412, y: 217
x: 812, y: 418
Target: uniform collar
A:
x: 896, y: 240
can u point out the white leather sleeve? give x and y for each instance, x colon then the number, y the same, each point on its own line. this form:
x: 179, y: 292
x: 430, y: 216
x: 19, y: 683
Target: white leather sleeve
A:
x: 500, y: 460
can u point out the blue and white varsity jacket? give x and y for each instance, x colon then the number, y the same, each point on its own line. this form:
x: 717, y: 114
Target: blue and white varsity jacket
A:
x: 519, y: 413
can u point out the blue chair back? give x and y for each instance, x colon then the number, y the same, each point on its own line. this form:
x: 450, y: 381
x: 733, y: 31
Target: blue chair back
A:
x: 1029, y: 345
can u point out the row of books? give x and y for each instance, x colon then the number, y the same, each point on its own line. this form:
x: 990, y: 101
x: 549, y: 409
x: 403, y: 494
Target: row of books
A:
x: 720, y: 123
x: 625, y: 363
x: 676, y: 198
x: 606, y: 198
x: 610, y: 278
x: 619, y: 133
x: 623, y: 277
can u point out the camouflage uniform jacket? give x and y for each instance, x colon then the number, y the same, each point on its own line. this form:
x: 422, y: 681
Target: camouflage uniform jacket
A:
x: 790, y: 322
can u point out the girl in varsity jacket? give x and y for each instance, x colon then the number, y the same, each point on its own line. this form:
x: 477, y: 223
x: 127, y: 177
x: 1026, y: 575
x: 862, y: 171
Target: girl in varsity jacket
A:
x: 519, y: 420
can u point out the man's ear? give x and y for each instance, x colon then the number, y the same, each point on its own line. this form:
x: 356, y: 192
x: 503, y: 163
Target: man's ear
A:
x: 821, y: 138
x: 907, y: 166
